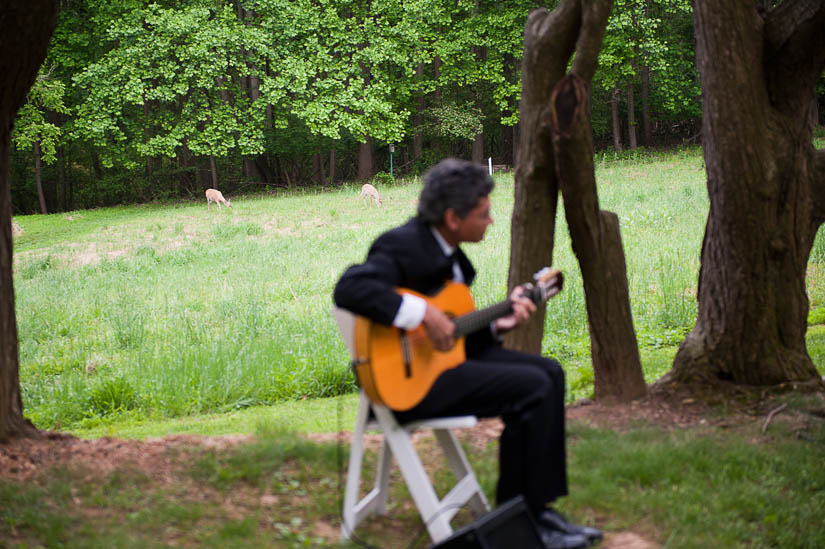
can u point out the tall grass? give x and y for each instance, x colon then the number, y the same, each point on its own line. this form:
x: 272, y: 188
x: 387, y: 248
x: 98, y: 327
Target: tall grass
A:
x: 171, y: 310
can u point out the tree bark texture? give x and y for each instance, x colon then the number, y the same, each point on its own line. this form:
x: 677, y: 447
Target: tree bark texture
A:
x: 549, y: 41
x: 25, y: 29
x: 766, y: 185
x: 597, y: 244
x: 556, y: 151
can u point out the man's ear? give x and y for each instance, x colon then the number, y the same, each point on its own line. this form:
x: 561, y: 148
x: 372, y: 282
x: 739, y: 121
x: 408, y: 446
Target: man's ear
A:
x: 451, y: 219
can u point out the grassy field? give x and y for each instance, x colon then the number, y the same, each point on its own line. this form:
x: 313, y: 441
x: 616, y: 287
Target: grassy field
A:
x: 166, y: 319
x: 171, y: 310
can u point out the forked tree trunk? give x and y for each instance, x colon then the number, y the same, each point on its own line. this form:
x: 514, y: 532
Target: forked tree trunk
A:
x: 25, y: 29
x: 765, y: 184
x: 560, y: 153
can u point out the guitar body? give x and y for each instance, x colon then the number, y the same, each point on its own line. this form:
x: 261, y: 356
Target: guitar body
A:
x: 399, y: 366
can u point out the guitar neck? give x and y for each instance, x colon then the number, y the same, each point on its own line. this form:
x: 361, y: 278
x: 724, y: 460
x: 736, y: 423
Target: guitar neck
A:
x: 476, y: 320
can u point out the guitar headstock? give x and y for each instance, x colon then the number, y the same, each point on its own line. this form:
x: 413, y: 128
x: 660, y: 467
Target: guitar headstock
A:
x: 547, y: 283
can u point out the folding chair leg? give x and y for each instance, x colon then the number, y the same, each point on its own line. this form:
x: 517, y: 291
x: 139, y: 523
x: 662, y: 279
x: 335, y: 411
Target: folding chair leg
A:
x: 436, y: 518
x: 461, y: 467
x: 356, y: 510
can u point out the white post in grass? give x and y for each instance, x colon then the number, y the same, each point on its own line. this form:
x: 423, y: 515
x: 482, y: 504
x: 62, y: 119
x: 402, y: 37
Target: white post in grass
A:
x: 490, y: 164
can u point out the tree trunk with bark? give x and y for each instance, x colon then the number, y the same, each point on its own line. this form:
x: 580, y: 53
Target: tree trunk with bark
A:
x: 365, y: 160
x: 631, y: 118
x: 617, y: 122
x: 647, y: 132
x: 766, y: 185
x: 213, y: 170
x: 418, y: 117
x: 478, y: 149
x: 556, y: 151
x: 25, y: 29
x: 332, y: 165
x: 38, y: 178
x: 597, y: 244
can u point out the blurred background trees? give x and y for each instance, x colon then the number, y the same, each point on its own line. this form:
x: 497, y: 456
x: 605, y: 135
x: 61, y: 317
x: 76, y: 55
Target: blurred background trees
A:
x: 141, y: 101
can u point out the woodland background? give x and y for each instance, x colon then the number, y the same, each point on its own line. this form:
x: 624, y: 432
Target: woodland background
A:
x: 140, y: 101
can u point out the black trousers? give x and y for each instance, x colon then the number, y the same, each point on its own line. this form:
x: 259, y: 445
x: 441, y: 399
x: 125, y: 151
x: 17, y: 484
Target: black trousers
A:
x: 527, y: 392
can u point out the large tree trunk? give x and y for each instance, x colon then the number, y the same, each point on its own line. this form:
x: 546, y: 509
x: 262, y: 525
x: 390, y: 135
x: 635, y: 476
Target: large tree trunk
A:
x: 25, y: 29
x: 765, y: 184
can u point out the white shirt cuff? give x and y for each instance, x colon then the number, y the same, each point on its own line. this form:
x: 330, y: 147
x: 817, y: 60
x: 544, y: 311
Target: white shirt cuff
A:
x: 410, y: 313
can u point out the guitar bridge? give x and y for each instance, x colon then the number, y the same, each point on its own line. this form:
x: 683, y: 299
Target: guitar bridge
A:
x: 406, y: 353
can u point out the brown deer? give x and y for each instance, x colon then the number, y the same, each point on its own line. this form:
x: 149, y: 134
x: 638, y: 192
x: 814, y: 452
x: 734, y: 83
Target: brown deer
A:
x: 214, y: 195
x: 369, y: 193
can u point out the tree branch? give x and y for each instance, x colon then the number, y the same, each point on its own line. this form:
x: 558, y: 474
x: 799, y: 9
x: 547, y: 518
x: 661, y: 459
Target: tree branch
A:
x: 594, y: 23
x: 786, y: 21
x: 549, y: 38
x: 795, y: 44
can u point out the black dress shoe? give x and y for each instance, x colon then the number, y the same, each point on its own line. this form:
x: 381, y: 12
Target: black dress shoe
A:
x: 554, y: 520
x: 554, y: 539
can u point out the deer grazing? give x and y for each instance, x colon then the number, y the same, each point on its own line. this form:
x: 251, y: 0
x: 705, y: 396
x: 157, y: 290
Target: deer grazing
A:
x: 214, y: 195
x: 369, y: 193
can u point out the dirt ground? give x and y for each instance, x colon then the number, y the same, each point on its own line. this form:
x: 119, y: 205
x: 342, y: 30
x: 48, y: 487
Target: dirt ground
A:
x: 21, y: 459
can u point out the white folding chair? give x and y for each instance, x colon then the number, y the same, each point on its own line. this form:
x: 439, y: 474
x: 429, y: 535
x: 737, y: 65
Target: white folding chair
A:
x: 436, y: 513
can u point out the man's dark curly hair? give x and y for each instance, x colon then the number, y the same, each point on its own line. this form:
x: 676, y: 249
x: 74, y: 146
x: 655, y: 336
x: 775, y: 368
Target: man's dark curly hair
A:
x: 452, y: 183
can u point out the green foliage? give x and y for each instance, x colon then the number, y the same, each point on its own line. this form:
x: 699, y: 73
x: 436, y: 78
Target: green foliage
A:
x: 455, y: 122
x: 32, y: 126
x: 112, y: 396
x: 153, y: 92
x: 654, y: 35
x: 382, y: 178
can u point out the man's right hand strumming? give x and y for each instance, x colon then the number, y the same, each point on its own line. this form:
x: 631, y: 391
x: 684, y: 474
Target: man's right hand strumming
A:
x: 440, y: 328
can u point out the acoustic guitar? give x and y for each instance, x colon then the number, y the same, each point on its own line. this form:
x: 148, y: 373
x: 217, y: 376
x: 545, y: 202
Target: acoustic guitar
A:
x: 397, y: 367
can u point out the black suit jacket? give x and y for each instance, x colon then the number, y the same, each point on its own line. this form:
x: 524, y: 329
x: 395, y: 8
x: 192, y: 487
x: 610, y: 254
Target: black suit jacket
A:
x: 409, y: 257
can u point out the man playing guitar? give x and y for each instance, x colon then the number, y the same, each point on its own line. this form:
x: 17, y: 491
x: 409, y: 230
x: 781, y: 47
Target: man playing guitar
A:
x: 525, y: 390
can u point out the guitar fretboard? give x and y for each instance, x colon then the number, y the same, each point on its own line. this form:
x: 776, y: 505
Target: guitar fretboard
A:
x: 476, y: 320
